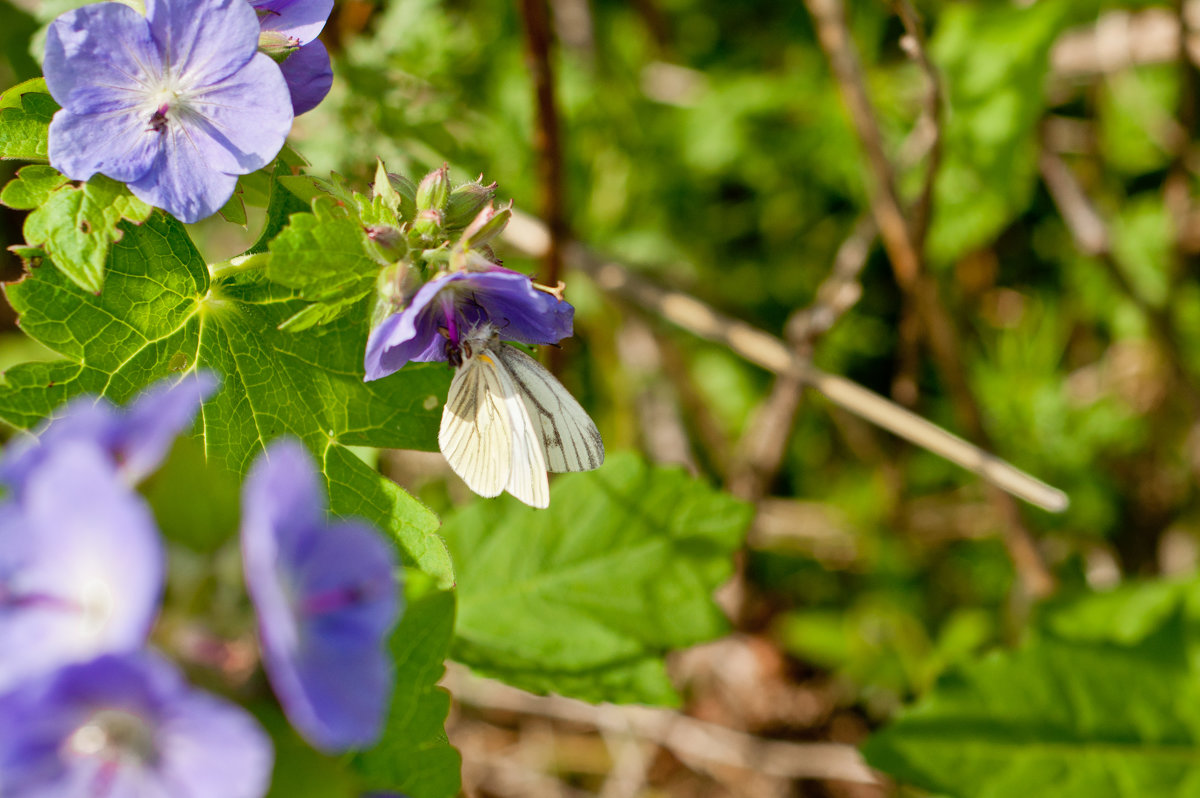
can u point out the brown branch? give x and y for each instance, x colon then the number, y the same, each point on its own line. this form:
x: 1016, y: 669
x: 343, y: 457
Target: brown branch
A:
x: 703, y: 745
x: 756, y: 346
x: 906, y: 254
x: 915, y: 45
x: 1091, y: 234
x: 829, y: 16
x: 535, y: 16
x: 761, y: 450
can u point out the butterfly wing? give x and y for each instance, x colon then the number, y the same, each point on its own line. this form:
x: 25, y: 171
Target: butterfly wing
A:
x: 527, y: 475
x: 568, y: 434
x: 476, y: 433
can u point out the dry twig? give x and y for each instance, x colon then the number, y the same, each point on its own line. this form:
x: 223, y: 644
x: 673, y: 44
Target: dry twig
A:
x: 530, y: 236
x: 704, y: 746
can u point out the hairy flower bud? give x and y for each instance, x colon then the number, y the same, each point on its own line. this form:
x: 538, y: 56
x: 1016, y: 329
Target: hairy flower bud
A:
x: 277, y: 45
x: 488, y: 224
x: 434, y: 191
x: 466, y: 201
x: 389, y: 240
x: 428, y: 224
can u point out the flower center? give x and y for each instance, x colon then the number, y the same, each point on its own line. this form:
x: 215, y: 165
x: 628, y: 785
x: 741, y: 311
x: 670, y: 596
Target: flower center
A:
x: 115, y: 736
x: 96, y: 604
x: 166, y: 105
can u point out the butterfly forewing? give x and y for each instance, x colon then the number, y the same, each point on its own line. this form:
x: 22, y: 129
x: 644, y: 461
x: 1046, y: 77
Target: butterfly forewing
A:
x: 475, y: 435
x: 568, y: 435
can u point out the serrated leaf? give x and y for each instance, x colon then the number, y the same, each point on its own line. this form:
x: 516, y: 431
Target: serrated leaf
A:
x: 32, y: 186
x: 1055, y: 718
x: 25, y: 113
x: 619, y: 569
x: 160, y: 313
x: 323, y: 255
x: 77, y: 226
x: 414, y: 757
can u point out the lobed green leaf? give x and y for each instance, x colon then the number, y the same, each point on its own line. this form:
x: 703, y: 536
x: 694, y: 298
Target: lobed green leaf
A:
x: 578, y: 598
x: 25, y: 113
x: 162, y: 313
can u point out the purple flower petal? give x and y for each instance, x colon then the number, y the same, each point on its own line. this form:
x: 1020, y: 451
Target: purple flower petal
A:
x: 450, y: 305
x: 136, y: 441
x: 127, y: 727
x: 302, y: 20
x: 326, y: 596
x: 309, y: 76
x: 120, y: 145
x: 81, y: 565
x: 205, y: 40
x: 85, y: 72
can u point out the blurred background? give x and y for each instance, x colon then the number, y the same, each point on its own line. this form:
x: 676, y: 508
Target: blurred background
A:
x: 983, y: 211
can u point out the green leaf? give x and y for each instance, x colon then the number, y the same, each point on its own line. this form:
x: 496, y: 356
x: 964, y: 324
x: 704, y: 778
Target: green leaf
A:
x: 161, y: 313
x: 1125, y: 615
x: 993, y: 58
x: 576, y: 598
x: 32, y: 187
x: 323, y: 255
x: 1055, y: 718
x: 413, y: 756
x: 77, y: 226
x: 25, y: 113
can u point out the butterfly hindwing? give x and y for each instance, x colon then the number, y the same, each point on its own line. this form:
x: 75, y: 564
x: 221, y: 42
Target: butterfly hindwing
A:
x: 568, y: 434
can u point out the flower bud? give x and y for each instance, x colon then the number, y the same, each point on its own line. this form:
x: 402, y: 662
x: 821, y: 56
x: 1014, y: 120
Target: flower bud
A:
x: 389, y: 240
x: 395, y: 287
x: 434, y: 191
x: 466, y: 201
x: 408, y: 195
x: 277, y: 45
x: 488, y: 224
x: 428, y: 224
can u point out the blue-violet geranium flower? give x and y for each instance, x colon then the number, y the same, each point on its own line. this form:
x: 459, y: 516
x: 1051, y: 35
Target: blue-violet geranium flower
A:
x: 81, y: 566
x: 127, y: 726
x: 176, y: 104
x: 450, y: 305
x: 326, y: 597
x: 293, y: 26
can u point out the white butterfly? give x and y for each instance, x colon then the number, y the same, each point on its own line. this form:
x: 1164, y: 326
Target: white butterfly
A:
x: 507, y: 421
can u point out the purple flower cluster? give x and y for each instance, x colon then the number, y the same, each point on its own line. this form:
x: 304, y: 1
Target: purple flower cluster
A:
x: 179, y: 102
x: 86, y: 708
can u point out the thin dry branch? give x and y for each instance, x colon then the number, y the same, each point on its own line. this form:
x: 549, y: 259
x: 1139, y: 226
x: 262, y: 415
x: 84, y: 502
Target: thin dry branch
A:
x: 829, y: 16
x: 704, y: 746
x: 915, y: 46
x: 761, y: 450
x: 1091, y: 234
x: 906, y: 252
x: 530, y: 236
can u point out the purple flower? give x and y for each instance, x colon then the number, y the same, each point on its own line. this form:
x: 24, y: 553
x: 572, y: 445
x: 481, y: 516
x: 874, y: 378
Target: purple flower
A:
x: 127, y: 727
x: 292, y: 26
x: 309, y: 76
x: 292, y: 22
x: 449, y: 306
x: 177, y: 103
x: 81, y: 566
x: 326, y: 597
x: 136, y: 439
